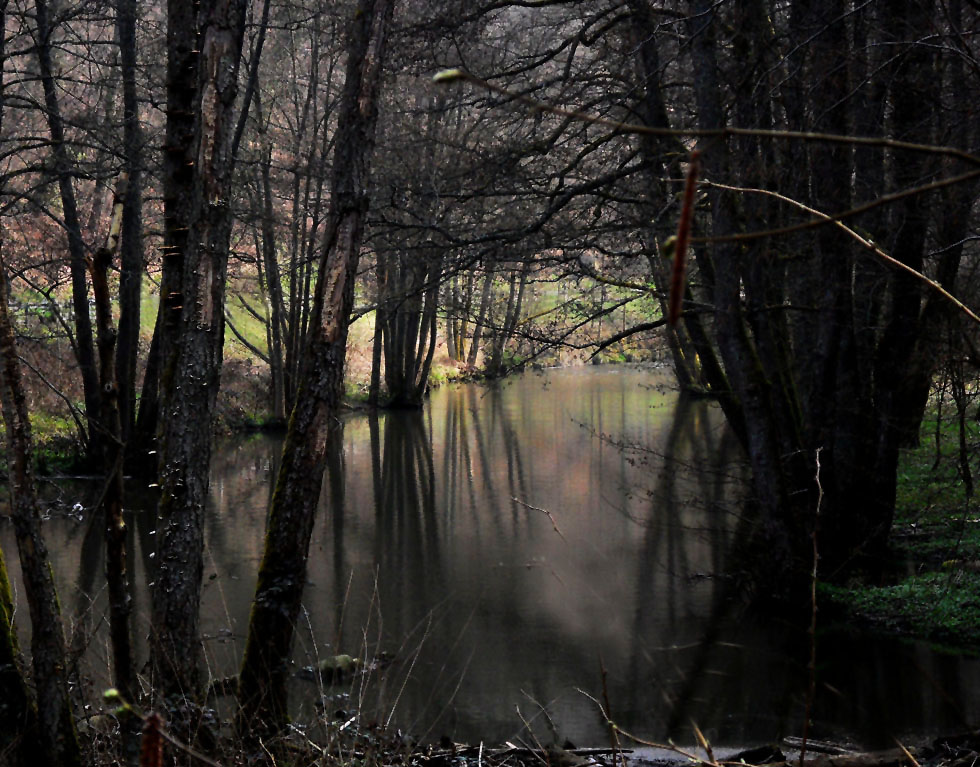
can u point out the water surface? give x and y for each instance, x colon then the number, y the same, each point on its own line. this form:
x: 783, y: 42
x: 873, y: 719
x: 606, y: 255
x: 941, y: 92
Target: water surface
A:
x: 521, y: 555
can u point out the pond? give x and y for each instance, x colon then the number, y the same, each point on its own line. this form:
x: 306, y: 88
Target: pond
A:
x: 518, y: 555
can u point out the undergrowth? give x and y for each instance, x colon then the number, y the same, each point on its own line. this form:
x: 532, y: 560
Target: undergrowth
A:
x: 936, y: 545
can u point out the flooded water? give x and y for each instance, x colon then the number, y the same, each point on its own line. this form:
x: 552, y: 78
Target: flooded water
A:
x: 521, y: 556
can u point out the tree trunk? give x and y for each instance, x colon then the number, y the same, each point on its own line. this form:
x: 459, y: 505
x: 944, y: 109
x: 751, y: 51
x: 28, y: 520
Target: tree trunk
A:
x: 84, y: 343
x: 481, y: 319
x: 178, y: 180
x: 18, y: 715
x: 273, y: 284
x: 111, y: 505
x: 58, y: 744
x: 282, y: 574
x: 131, y: 245
x: 515, y: 297
x: 190, y: 384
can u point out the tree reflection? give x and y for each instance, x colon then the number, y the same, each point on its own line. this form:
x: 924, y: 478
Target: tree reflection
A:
x: 407, y: 548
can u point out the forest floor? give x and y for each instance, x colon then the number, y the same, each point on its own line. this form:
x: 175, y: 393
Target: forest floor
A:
x: 379, y: 748
x: 931, y: 588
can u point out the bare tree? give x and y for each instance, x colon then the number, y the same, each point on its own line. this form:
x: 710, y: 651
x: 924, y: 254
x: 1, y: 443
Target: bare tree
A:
x: 282, y: 574
x: 201, y: 223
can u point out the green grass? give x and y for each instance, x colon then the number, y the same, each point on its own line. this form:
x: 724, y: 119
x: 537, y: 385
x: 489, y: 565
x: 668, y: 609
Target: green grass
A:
x: 933, y: 516
x: 936, y: 534
x: 941, y: 606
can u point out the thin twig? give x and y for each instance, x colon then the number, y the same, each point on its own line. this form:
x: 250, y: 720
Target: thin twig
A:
x: 857, y: 237
x: 613, y: 735
x: 652, y: 744
x: 824, y: 218
x: 459, y: 75
x: 908, y: 754
x: 683, y: 237
x: 543, y: 511
x: 812, y: 665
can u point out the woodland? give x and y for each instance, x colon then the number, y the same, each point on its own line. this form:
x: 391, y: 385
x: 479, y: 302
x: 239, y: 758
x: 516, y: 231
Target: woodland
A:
x: 777, y: 197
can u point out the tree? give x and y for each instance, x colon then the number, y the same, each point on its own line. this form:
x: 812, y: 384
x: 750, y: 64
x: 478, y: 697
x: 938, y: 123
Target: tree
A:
x: 59, y: 746
x: 810, y: 341
x: 282, y: 574
x: 199, y: 223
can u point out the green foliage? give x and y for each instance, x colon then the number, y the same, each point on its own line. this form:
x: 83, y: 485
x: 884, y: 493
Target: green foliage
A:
x: 56, y: 447
x: 933, y: 518
x: 929, y: 484
x: 942, y: 606
x: 936, y: 531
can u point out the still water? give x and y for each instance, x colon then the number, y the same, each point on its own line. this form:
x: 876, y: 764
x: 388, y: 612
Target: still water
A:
x: 518, y: 555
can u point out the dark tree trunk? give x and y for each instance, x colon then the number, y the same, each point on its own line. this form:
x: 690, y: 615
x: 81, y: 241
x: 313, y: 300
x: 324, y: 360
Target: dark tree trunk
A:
x: 508, y: 323
x: 282, y: 574
x: 111, y: 503
x: 58, y: 743
x: 273, y: 286
x: 481, y: 319
x: 18, y: 715
x: 191, y: 381
x: 775, y: 459
x: 44, y: 732
x: 817, y: 361
x: 178, y: 179
x: 84, y: 345
x: 407, y: 313
x: 131, y: 244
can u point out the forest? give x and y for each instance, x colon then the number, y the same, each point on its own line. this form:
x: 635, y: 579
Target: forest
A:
x: 222, y: 213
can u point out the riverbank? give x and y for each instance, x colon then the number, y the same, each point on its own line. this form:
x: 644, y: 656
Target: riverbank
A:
x: 338, y: 744
x: 931, y: 588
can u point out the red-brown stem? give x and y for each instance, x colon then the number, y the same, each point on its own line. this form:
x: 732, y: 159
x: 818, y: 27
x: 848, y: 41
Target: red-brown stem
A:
x: 151, y: 749
x: 683, y: 238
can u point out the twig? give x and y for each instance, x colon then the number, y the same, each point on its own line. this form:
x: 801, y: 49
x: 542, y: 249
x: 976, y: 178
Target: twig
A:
x: 454, y: 75
x: 266, y: 749
x: 824, y: 218
x: 543, y: 511
x: 613, y: 735
x: 812, y: 631
x: 703, y: 742
x: 540, y: 749
x: 683, y: 238
x: 850, y: 232
x: 908, y: 755
x: 652, y: 744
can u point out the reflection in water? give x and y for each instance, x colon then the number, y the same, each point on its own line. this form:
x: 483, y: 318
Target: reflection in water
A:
x: 504, y: 547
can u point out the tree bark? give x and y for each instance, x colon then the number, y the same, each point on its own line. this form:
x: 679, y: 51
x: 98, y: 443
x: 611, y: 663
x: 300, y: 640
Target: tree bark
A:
x: 282, y: 574
x: 191, y: 383
x: 183, y: 40
x: 111, y: 503
x: 58, y: 744
x: 18, y: 714
x: 84, y: 340
x: 131, y: 244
